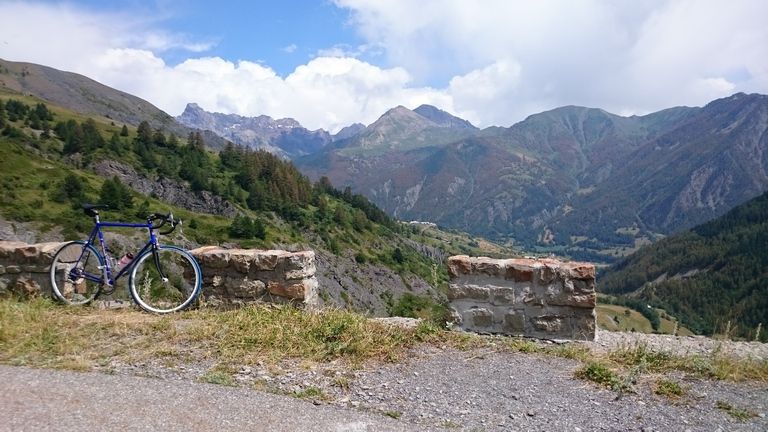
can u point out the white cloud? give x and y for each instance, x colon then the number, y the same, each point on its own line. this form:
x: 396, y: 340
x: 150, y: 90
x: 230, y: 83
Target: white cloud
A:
x: 492, y: 62
x: 623, y: 56
x: 290, y: 49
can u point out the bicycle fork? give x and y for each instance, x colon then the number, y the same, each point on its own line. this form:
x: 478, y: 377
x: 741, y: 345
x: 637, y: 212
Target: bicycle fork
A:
x: 156, y: 256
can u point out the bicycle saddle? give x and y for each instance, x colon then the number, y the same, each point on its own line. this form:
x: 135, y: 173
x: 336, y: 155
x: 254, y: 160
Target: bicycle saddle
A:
x: 93, y: 209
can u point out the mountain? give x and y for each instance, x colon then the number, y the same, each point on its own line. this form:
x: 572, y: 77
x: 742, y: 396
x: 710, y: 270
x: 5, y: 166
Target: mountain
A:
x: 573, y: 180
x: 284, y: 137
x: 708, y: 276
x: 86, y: 96
x: 712, y: 160
x: 442, y: 118
x: 348, y: 131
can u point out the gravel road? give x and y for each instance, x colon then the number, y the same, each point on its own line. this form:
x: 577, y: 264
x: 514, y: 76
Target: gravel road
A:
x: 434, y: 389
x: 50, y: 400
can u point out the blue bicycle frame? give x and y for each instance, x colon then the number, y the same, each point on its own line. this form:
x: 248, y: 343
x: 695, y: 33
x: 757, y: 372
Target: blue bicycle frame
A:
x: 107, y: 276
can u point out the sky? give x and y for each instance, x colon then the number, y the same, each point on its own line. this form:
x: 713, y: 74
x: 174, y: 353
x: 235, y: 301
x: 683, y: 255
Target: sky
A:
x: 331, y: 63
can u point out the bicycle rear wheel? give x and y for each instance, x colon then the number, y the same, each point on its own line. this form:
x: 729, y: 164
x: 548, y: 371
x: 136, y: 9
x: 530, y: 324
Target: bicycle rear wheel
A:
x: 76, y: 273
x: 165, y: 280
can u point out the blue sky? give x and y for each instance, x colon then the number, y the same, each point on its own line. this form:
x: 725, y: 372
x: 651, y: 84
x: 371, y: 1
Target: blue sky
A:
x: 329, y: 63
x: 283, y: 34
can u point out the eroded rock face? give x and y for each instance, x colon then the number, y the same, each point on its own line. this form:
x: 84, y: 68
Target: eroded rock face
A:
x: 166, y: 189
x: 541, y: 298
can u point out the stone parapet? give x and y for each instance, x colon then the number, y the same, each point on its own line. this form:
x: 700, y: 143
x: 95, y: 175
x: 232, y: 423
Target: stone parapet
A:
x: 542, y: 298
x: 24, y: 267
x: 243, y: 275
x: 231, y: 276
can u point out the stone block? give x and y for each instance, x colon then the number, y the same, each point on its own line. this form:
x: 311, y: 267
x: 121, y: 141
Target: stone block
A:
x: 488, y: 266
x: 459, y: 265
x: 514, y: 322
x: 460, y: 291
x: 550, y: 324
x: 289, y: 290
x: 245, y: 288
x: 240, y: 261
x: 266, y: 261
x: 519, y: 274
x: 578, y: 270
x: 501, y: 295
x: 546, y: 274
x: 480, y: 318
x: 212, y: 258
x: 13, y: 269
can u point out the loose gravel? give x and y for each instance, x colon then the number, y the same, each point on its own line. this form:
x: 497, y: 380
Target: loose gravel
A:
x: 490, y: 390
x: 487, y: 390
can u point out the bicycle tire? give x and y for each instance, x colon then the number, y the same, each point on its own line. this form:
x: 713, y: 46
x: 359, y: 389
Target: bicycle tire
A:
x: 178, y: 290
x: 76, y: 273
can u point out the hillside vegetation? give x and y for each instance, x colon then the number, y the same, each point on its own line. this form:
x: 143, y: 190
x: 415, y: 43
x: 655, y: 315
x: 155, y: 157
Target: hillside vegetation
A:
x: 47, y: 159
x: 713, y: 277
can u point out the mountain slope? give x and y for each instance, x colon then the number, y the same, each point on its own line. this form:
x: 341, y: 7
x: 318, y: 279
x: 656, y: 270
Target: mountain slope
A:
x: 572, y: 180
x: 707, y: 276
x: 712, y: 161
x: 86, y: 96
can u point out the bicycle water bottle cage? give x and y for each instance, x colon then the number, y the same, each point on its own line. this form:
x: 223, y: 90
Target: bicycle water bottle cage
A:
x: 92, y: 210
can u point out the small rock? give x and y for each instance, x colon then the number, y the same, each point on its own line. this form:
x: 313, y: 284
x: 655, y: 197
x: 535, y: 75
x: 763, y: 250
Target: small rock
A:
x: 530, y: 413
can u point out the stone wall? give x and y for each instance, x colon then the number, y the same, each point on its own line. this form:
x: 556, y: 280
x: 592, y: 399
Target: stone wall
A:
x: 246, y: 275
x: 541, y: 298
x: 232, y: 276
x: 24, y: 267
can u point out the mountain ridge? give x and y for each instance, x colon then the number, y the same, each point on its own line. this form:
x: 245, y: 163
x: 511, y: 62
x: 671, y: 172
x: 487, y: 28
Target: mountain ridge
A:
x: 559, y: 166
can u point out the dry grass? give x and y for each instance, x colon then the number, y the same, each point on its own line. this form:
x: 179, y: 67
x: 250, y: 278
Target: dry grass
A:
x: 43, y: 334
x: 40, y: 333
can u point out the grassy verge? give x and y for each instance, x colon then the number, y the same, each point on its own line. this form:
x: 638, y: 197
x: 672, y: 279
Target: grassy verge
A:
x: 40, y: 333
x: 621, y: 368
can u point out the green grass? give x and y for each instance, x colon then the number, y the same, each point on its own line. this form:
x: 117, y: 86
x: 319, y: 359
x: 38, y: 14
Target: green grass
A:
x: 739, y: 414
x: 309, y: 393
x: 715, y: 366
x: 621, y: 318
x: 218, y: 377
x: 601, y: 374
x: 669, y: 388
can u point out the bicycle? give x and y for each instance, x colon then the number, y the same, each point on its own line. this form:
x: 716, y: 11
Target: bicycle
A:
x: 162, y: 278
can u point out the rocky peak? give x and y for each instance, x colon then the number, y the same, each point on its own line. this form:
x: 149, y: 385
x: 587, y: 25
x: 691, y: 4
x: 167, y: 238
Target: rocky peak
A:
x: 349, y: 131
x: 443, y: 118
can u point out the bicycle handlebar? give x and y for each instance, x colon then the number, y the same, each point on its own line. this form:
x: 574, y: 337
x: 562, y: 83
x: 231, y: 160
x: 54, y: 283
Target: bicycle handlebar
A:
x: 164, y: 219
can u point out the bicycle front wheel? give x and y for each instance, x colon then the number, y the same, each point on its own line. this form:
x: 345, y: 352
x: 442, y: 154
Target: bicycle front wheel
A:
x: 76, y: 273
x: 166, y: 279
